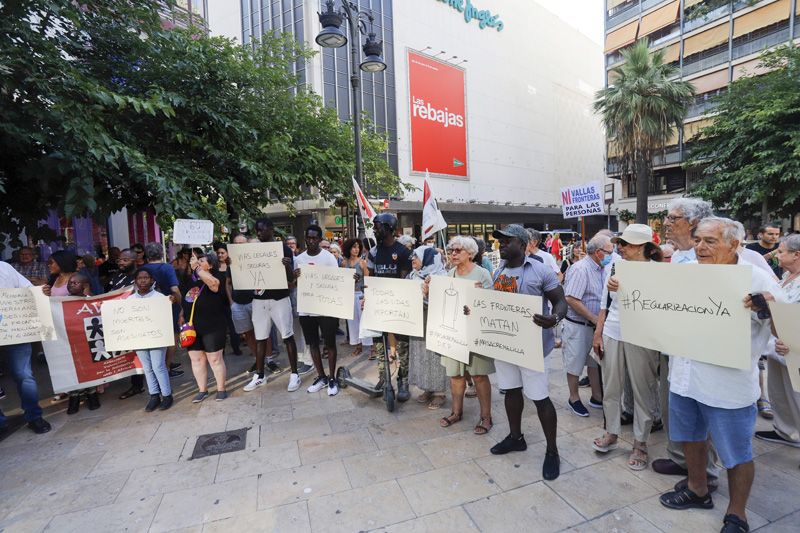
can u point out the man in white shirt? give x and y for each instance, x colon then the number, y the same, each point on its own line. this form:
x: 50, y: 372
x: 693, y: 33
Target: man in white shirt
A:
x: 534, y: 250
x: 18, y: 361
x: 683, y: 216
x: 706, y: 399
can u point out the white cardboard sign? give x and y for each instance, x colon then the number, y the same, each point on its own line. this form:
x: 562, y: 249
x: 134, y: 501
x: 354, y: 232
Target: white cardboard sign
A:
x: 582, y: 200
x: 787, y: 319
x: 257, y: 265
x: 137, y: 323
x: 190, y: 231
x: 447, y: 331
x: 393, y: 306
x: 25, y: 316
x: 326, y: 291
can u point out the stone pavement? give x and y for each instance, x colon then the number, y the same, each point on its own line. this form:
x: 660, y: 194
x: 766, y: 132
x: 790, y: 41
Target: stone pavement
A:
x: 315, y: 463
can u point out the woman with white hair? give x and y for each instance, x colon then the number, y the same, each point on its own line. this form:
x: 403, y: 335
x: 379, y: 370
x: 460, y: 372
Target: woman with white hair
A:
x: 461, y: 251
x: 425, y: 370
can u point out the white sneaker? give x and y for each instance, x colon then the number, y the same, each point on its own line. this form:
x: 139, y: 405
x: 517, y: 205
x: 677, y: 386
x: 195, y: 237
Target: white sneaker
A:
x: 333, y: 388
x: 320, y: 383
x: 294, y: 383
x: 255, y: 383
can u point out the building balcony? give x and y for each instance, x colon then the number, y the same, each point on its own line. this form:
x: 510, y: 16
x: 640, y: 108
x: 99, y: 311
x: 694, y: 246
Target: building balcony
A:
x: 711, y: 16
x: 700, y: 108
x: 672, y: 156
x: 756, y: 45
x: 647, y: 4
x: 622, y: 15
x: 705, y: 63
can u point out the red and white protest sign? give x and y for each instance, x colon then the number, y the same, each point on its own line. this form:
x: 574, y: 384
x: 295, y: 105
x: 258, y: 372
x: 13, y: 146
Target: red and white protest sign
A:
x: 438, y: 110
x: 78, y: 358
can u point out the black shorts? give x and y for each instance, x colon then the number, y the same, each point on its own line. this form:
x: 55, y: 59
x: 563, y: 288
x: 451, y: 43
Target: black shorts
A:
x: 311, y: 326
x: 209, y: 341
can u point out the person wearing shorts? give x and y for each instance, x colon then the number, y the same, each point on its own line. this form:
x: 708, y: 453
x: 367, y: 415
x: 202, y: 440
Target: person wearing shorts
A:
x: 312, y: 324
x: 242, y: 308
x: 273, y: 307
x: 523, y: 275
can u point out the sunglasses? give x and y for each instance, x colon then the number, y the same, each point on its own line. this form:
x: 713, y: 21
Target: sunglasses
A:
x: 454, y: 250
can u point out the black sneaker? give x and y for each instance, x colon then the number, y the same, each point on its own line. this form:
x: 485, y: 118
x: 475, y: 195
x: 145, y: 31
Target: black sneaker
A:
x: 2, y: 393
x: 174, y: 366
x: 583, y: 382
x: 510, y: 444
x: 39, y: 426
x: 578, y: 408
x: 551, y: 468
x: 596, y: 404
x: 686, y: 499
x: 175, y: 373
x: 155, y: 401
x: 772, y: 436
x: 304, y: 369
x: 93, y: 401
x: 713, y: 484
x: 273, y: 367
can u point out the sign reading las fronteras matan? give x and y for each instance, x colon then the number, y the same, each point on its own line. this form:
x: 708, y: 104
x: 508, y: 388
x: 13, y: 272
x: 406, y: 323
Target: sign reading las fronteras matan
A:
x: 582, y: 200
x: 693, y: 311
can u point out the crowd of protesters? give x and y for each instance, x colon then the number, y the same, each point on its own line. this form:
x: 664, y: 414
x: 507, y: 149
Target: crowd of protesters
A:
x: 708, y: 411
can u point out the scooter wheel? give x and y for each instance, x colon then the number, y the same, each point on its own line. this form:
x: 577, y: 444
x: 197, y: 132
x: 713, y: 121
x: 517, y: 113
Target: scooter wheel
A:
x: 341, y: 377
x: 388, y: 396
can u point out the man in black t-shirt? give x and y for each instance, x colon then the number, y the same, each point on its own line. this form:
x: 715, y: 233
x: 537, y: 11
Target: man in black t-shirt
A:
x: 767, y: 246
x: 390, y: 259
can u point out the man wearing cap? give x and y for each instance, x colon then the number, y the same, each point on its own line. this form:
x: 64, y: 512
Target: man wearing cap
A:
x: 524, y: 275
x: 720, y: 402
x: 583, y: 289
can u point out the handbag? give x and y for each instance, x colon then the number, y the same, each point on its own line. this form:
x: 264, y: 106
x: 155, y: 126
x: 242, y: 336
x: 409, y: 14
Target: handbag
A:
x: 187, y: 333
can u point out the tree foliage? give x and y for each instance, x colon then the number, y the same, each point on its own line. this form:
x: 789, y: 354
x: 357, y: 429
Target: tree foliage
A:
x: 102, y: 108
x: 640, y: 109
x: 750, y: 154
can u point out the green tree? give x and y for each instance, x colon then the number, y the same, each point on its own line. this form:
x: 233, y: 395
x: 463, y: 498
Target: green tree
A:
x: 101, y: 108
x: 640, y: 109
x: 750, y: 154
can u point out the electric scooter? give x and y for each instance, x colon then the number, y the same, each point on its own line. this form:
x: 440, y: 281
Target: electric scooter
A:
x: 345, y: 379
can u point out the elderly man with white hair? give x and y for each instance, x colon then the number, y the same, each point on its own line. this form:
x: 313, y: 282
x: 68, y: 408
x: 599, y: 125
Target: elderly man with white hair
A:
x: 707, y: 399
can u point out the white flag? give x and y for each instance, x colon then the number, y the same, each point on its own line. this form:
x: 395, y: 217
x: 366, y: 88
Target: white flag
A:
x: 366, y: 210
x: 432, y: 219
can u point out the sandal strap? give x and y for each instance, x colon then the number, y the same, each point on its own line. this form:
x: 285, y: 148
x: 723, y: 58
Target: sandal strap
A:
x: 685, y: 496
x: 742, y: 526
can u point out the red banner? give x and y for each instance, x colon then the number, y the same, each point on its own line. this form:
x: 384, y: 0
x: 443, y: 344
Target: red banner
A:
x: 438, y: 117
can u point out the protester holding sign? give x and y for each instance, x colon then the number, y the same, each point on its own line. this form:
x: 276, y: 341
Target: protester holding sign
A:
x: 18, y: 361
x: 242, y: 308
x: 711, y: 399
x: 312, y: 324
x: 518, y: 274
x: 204, y: 307
x: 166, y: 284
x: 390, y: 259
x: 353, y: 258
x: 785, y: 400
x: 619, y: 359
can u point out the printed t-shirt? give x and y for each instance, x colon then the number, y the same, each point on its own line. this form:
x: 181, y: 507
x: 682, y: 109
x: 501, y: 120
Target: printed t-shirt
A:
x: 389, y: 261
x: 277, y: 294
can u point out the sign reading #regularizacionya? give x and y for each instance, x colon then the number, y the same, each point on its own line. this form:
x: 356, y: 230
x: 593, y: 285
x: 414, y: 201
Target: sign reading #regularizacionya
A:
x: 483, y: 16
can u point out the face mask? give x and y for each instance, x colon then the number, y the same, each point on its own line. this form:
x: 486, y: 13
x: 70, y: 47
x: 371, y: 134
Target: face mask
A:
x: 606, y: 260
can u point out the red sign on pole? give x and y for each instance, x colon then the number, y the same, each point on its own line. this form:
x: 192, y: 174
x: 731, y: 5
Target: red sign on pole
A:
x: 438, y: 112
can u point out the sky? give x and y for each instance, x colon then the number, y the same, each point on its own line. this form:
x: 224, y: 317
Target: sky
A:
x: 585, y: 15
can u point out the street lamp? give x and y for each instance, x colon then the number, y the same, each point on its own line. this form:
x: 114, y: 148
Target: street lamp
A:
x: 332, y: 36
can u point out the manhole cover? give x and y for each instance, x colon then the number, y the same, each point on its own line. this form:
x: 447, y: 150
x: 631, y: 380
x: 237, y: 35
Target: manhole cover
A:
x: 217, y: 443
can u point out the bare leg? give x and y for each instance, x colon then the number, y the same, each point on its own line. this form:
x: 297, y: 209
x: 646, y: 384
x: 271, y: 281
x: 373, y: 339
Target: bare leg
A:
x: 316, y: 357
x: 484, y: 390
x: 548, y: 419
x: 217, y: 363
x: 740, y: 481
x: 250, y: 339
x: 291, y: 352
x: 696, y: 462
x: 514, y: 405
x: 458, y: 384
x: 199, y: 369
x: 572, y: 384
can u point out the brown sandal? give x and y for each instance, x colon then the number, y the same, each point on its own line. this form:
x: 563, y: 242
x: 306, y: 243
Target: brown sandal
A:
x: 484, y: 425
x: 448, y: 421
x: 437, y: 401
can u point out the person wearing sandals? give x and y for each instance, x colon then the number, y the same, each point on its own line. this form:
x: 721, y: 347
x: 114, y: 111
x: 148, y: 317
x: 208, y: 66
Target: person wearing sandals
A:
x: 204, y: 306
x: 461, y: 251
x: 353, y: 258
x: 711, y: 399
x: 153, y: 360
x: 618, y: 358
x: 425, y: 370
x: 524, y: 275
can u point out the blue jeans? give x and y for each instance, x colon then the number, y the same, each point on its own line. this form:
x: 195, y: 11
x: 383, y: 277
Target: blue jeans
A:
x: 18, y: 359
x: 155, y: 370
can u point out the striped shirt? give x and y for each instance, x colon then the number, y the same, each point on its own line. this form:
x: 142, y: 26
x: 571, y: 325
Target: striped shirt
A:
x: 585, y: 283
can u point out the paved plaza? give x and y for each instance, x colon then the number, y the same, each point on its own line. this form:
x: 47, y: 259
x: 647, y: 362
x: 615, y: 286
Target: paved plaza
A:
x: 314, y: 463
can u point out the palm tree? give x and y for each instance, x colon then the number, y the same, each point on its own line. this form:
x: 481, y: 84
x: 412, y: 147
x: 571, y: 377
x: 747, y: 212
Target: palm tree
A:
x: 640, y: 111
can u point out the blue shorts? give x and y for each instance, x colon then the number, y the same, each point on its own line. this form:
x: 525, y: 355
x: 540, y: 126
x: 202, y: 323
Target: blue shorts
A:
x: 731, y: 429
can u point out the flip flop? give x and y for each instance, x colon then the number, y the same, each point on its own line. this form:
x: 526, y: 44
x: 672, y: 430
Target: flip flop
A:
x: 605, y: 444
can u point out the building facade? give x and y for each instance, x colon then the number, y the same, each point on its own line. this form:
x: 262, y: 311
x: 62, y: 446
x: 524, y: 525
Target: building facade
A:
x: 712, y: 43
x: 493, y: 98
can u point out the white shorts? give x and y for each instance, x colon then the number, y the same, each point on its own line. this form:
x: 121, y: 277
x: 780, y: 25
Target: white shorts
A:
x: 533, y: 384
x: 268, y: 312
x: 576, y: 345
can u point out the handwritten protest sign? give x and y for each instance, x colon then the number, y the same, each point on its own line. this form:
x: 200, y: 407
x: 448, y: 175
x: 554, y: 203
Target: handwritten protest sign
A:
x: 138, y: 323
x: 326, y: 291
x: 582, y: 200
x: 690, y: 310
x: 447, y: 331
x: 787, y: 320
x: 257, y: 265
x: 25, y: 316
x: 501, y: 326
x: 190, y: 231
x: 393, y: 306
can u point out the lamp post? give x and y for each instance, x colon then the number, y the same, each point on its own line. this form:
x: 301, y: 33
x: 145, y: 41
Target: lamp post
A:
x: 332, y: 36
